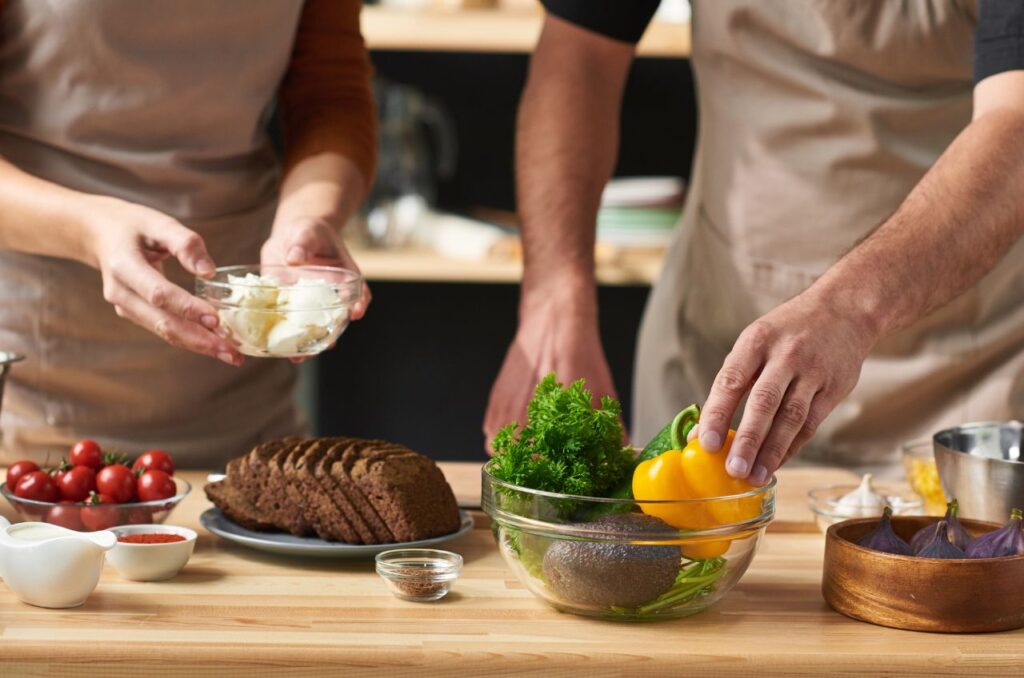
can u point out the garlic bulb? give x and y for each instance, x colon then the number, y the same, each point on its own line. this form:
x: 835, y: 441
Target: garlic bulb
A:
x: 863, y: 502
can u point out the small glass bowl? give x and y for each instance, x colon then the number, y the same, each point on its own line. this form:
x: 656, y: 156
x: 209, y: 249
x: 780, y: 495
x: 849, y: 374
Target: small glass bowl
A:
x: 419, y: 575
x: 84, y: 518
x: 923, y: 474
x: 308, y: 323
x: 824, y: 503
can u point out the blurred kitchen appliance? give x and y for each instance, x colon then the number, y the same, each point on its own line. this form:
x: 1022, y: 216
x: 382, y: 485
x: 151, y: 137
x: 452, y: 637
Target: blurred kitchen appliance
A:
x: 418, y: 149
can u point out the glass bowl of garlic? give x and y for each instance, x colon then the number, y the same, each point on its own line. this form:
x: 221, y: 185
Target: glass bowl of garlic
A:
x: 836, y: 503
x: 282, y: 311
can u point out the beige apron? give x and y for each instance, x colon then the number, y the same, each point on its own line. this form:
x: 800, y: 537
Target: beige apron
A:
x: 164, y: 104
x: 817, y: 117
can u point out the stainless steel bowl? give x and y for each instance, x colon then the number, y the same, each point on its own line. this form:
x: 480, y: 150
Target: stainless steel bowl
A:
x: 982, y: 465
x: 6, y: 360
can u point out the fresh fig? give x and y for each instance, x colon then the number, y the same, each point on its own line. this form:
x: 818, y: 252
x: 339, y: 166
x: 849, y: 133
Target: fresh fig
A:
x: 956, y: 534
x: 1006, y: 541
x: 883, y: 539
x: 940, y: 546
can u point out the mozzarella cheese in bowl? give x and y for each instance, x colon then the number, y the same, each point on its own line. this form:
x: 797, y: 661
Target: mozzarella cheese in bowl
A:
x: 281, y: 320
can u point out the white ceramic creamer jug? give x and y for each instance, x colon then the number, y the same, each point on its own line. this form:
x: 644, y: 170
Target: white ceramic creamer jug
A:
x: 50, y: 566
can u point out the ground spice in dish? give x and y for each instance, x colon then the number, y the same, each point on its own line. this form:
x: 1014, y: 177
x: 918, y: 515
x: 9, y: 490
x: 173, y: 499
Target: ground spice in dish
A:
x: 150, y: 538
x: 418, y: 582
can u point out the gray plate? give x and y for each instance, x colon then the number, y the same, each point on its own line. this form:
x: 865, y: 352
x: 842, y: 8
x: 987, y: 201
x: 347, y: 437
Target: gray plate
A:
x: 310, y: 547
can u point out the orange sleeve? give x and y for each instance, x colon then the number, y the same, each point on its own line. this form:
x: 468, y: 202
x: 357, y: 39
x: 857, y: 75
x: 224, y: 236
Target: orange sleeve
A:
x: 326, y: 98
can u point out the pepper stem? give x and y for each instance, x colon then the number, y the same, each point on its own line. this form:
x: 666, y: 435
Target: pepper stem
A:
x: 683, y: 424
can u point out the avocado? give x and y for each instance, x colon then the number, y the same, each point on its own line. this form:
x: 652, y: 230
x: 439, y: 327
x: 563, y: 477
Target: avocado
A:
x: 608, y: 573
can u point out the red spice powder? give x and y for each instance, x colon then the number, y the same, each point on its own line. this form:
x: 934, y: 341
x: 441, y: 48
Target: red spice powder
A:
x: 150, y: 538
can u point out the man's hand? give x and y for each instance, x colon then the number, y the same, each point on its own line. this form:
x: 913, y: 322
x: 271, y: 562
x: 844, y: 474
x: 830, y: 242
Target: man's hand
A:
x: 128, y: 243
x: 547, y: 341
x: 796, y: 363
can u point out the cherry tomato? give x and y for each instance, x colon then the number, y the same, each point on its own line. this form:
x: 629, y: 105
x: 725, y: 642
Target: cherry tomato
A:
x: 117, y: 482
x: 87, y: 453
x: 66, y: 514
x: 77, y: 483
x: 37, y: 486
x: 155, y: 459
x: 100, y: 513
x: 155, y: 485
x: 17, y: 471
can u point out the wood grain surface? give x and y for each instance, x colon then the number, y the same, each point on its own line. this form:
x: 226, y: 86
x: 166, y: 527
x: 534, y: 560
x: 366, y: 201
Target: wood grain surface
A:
x: 233, y: 611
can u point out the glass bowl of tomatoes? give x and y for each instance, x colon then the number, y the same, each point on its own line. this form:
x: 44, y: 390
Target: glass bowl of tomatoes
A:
x: 93, y: 490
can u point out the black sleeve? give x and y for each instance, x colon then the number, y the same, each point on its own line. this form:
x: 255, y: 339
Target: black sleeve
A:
x: 624, y: 20
x: 999, y: 38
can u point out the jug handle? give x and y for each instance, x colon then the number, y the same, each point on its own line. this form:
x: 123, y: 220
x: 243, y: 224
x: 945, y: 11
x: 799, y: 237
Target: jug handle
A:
x: 4, y: 524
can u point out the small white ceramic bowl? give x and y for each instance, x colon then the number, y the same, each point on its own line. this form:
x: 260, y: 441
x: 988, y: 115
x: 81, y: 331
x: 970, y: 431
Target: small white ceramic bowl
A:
x: 151, y: 562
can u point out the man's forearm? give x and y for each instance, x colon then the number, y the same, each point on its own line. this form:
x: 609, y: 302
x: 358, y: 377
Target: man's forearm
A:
x: 566, y: 145
x: 953, y: 228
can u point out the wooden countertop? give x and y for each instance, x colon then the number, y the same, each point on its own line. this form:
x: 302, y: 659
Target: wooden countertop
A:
x: 238, y: 612
x: 489, y: 30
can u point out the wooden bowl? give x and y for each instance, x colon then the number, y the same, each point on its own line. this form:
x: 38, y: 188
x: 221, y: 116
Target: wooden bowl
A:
x: 920, y: 594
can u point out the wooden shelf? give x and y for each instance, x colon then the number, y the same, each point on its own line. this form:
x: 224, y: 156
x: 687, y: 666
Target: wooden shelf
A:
x: 619, y: 267
x: 489, y: 30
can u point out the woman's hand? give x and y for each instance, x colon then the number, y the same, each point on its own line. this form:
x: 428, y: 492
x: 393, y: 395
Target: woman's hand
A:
x: 311, y: 241
x: 128, y: 243
x: 314, y: 242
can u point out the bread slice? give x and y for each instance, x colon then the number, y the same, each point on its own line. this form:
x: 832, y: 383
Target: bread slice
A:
x: 322, y: 510
x: 250, y: 476
x: 410, y: 493
x: 342, y: 503
x: 274, y: 501
x: 236, y: 506
x: 375, y: 530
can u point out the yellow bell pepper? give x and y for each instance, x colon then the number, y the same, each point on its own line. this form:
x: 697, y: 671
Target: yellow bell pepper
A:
x: 694, y: 473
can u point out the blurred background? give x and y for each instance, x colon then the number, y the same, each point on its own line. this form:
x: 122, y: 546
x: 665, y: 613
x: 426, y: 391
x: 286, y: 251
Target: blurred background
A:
x: 437, y: 239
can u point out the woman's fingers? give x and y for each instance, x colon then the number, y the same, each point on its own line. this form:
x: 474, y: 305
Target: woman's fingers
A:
x: 140, y: 278
x: 789, y: 421
x: 764, y: 402
x: 186, y: 245
x: 175, y: 330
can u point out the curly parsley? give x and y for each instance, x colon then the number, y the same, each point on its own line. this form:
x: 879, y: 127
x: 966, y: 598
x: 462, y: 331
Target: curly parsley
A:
x: 567, y: 445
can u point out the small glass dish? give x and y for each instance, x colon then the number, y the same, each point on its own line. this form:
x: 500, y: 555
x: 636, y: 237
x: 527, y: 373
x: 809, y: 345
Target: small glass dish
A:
x: 282, y: 311
x: 923, y: 474
x: 824, y: 503
x: 419, y: 575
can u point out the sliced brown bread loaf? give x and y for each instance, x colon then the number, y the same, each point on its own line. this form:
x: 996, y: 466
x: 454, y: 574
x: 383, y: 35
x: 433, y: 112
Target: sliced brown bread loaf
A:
x: 410, y: 494
x: 236, y: 506
x: 329, y: 520
x: 341, y: 489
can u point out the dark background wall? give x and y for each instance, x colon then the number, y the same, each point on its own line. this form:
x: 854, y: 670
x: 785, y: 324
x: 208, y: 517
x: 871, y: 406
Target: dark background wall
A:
x: 419, y: 368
